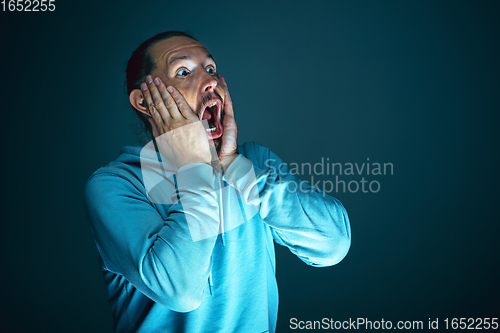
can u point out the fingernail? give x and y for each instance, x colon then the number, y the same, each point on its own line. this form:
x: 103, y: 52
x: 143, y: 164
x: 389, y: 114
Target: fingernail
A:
x: 149, y: 79
x: 157, y: 81
x: 144, y: 86
x: 170, y: 89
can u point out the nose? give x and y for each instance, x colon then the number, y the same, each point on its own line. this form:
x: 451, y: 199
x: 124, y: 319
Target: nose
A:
x: 209, y: 82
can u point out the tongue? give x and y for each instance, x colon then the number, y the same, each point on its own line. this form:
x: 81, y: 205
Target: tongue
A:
x: 206, y: 114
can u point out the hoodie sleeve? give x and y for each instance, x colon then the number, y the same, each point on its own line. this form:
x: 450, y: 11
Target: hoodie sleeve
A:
x: 313, y: 225
x: 159, y: 257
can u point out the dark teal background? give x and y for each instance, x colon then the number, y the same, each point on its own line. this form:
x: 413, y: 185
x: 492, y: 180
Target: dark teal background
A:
x: 413, y: 83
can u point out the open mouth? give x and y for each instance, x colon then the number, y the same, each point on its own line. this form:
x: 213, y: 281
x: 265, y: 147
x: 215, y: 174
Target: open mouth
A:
x: 211, y: 112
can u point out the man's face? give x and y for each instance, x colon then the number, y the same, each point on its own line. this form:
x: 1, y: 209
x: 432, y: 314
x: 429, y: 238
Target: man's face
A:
x: 187, y: 65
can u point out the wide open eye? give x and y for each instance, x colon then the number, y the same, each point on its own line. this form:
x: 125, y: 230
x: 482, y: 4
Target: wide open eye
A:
x: 182, y: 72
x: 211, y: 69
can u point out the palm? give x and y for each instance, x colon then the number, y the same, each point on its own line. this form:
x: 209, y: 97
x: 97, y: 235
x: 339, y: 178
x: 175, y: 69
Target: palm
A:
x: 229, y: 146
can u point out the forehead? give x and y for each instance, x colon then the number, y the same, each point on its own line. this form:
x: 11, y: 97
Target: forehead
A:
x: 179, y: 46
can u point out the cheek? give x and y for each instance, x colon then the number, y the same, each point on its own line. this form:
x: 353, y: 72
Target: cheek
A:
x: 220, y: 91
x: 190, y: 97
x: 185, y: 89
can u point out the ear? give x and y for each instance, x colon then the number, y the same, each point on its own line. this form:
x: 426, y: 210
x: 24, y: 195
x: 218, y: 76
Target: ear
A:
x: 136, y: 98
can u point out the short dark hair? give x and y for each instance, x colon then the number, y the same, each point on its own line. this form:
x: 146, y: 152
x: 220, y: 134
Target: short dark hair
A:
x: 140, y: 65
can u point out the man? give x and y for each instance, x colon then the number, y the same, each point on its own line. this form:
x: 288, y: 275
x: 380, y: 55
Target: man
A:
x: 185, y: 225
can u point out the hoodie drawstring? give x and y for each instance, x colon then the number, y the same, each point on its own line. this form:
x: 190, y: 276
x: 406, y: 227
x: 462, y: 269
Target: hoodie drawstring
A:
x: 210, y: 281
x: 221, y: 206
x: 221, y: 229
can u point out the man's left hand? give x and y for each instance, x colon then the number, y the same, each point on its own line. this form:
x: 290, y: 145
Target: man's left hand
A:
x: 229, y: 147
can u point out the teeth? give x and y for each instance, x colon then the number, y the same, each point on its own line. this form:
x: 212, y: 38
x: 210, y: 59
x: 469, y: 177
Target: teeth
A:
x: 211, y: 104
x: 209, y: 130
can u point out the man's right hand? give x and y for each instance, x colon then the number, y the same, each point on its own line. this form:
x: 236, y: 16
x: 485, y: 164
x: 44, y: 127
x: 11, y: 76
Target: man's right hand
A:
x: 179, y: 132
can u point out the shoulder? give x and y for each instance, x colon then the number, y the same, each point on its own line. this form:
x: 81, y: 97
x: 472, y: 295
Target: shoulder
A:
x: 255, y: 152
x: 261, y: 156
x: 123, y: 173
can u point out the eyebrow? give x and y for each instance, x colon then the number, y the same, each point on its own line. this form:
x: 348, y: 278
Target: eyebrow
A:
x: 209, y: 56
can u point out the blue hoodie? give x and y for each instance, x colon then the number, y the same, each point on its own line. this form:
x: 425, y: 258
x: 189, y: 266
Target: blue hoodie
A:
x: 160, y: 279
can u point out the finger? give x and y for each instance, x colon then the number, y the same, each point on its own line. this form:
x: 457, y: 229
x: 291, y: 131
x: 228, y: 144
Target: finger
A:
x: 157, y: 121
x: 167, y: 99
x: 183, y: 106
x: 147, y: 97
x: 230, y: 127
x: 158, y: 100
x: 229, y: 123
x: 228, y: 102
